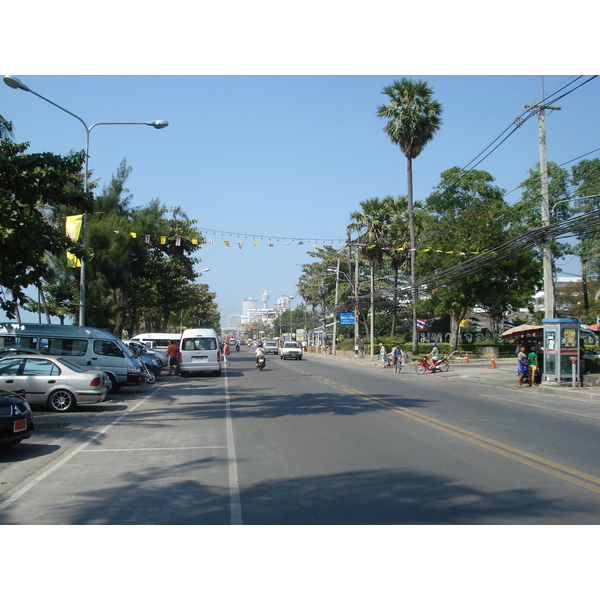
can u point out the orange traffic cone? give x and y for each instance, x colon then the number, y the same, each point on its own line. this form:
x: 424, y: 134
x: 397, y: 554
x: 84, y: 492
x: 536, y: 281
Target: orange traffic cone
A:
x: 493, y: 362
x: 467, y: 359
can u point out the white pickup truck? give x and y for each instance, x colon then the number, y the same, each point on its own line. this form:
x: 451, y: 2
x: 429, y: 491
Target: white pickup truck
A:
x: 290, y: 350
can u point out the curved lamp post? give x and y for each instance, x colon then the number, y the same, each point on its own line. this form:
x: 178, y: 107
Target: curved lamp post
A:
x: 16, y: 84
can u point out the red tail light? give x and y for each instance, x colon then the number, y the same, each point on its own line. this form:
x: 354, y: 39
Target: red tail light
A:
x: 96, y: 381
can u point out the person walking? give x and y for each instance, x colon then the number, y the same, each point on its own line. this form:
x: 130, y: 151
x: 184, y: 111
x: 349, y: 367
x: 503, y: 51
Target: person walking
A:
x: 523, y: 365
x: 384, y: 356
x: 173, y: 355
x: 533, y: 367
x: 226, y: 354
x: 397, y: 358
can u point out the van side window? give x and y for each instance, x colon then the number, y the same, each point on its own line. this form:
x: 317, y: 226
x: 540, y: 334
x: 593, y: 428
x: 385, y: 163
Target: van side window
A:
x: 199, y: 344
x: 107, y: 348
x: 39, y: 366
x: 63, y: 347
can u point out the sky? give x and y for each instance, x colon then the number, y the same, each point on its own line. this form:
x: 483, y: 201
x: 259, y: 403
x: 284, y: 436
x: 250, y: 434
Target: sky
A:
x: 281, y: 153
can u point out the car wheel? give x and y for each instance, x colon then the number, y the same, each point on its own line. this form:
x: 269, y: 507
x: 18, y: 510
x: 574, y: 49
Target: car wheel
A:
x: 114, y: 386
x: 61, y: 401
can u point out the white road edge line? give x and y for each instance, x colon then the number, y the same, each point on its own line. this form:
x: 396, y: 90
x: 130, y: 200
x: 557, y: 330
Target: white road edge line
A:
x: 235, y: 504
x: 566, y: 412
x: 69, y: 456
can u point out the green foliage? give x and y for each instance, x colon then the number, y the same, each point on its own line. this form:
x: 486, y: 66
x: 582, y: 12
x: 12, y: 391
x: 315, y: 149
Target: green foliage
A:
x: 33, y: 187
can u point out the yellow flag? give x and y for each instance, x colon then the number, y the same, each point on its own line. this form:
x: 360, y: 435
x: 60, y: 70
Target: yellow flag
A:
x: 194, y: 241
x: 163, y: 239
x: 226, y: 242
x: 73, y: 226
x: 133, y: 234
x: 73, y: 229
x: 255, y: 243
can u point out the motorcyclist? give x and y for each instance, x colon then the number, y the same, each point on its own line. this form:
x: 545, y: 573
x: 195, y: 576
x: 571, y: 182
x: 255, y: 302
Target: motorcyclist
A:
x: 434, y: 355
x: 237, y: 346
x: 259, y: 352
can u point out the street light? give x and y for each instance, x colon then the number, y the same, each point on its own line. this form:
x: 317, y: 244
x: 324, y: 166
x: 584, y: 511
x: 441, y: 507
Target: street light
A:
x: 17, y: 84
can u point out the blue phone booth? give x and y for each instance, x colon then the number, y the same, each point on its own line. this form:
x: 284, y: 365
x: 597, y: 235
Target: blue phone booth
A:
x: 561, y: 351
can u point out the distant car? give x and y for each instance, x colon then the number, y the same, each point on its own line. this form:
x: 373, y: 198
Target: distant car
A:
x: 271, y: 348
x: 16, y: 420
x: 161, y: 355
x: 53, y: 380
x: 291, y: 350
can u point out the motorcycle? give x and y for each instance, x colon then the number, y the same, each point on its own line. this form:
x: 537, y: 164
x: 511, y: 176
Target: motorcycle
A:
x: 261, y: 362
x: 439, y: 366
x: 147, y: 361
x: 237, y: 347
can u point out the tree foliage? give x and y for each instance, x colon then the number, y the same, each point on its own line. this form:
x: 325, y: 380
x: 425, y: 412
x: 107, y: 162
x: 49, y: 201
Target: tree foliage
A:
x: 32, y: 188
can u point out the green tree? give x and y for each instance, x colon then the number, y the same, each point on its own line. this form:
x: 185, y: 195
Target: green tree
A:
x: 32, y: 186
x: 413, y: 119
x: 586, y: 178
x: 467, y: 215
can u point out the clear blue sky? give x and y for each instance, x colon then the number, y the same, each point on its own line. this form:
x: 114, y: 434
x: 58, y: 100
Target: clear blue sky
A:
x: 279, y: 158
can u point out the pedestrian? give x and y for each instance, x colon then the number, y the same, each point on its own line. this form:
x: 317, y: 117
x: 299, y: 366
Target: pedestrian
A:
x: 533, y: 367
x: 172, y: 354
x: 226, y: 353
x: 397, y: 358
x: 384, y: 356
x: 523, y: 364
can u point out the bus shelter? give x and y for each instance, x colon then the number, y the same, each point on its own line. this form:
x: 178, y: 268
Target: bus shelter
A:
x: 561, y: 351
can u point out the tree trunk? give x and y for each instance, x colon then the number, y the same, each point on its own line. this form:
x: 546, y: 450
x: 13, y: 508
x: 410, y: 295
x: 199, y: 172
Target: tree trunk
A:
x: 411, y: 226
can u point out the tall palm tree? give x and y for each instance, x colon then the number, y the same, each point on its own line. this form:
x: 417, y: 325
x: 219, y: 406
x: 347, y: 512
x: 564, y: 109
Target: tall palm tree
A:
x: 413, y: 119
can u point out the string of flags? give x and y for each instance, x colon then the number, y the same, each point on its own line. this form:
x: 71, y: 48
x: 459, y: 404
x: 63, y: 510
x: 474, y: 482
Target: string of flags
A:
x: 73, y: 227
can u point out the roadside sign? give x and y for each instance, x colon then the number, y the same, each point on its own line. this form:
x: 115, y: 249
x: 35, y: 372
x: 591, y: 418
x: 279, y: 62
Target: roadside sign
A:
x: 347, y: 318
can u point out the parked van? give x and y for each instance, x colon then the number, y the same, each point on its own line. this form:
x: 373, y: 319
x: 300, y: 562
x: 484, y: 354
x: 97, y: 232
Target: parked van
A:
x: 200, y: 352
x: 90, y: 347
x: 160, y: 341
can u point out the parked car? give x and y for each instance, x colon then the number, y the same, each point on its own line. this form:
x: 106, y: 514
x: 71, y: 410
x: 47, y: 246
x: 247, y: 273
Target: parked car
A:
x: 15, y: 351
x: 16, y: 419
x: 53, y: 380
x: 271, y: 348
x: 160, y: 355
x: 291, y: 350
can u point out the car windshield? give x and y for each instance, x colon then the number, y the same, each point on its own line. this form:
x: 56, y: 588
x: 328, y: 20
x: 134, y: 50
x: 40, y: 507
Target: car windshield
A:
x: 290, y: 345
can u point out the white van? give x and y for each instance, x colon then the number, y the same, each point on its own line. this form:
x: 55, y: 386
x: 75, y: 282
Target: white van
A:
x: 89, y: 347
x: 200, y: 351
x: 159, y: 341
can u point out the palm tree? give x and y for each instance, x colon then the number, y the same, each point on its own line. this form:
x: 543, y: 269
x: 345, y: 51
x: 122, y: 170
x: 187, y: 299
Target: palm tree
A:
x: 413, y: 119
x: 6, y: 129
x: 398, y: 242
x: 372, y: 224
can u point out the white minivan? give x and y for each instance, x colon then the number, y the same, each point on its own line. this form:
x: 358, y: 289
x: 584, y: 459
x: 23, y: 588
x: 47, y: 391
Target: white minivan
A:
x: 89, y: 347
x: 200, y: 352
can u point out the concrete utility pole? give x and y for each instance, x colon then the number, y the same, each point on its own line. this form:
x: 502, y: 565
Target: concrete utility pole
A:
x: 540, y: 108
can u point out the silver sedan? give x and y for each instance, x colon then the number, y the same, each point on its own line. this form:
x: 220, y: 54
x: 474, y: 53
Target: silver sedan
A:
x: 52, y: 380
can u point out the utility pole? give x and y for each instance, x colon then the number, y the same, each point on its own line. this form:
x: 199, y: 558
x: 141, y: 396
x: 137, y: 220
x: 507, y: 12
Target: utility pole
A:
x: 540, y: 109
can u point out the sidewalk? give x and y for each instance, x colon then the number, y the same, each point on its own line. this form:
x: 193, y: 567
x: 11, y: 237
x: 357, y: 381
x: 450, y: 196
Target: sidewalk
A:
x: 504, y: 376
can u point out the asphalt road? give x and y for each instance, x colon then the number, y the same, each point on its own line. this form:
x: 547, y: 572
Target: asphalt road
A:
x: 309, y: 442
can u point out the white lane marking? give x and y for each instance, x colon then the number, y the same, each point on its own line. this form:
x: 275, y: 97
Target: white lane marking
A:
x: 182, y: 448
x: 69, y: 456
x: 235, y: 504
x: 567, y: 412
